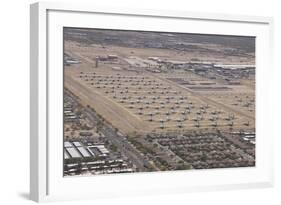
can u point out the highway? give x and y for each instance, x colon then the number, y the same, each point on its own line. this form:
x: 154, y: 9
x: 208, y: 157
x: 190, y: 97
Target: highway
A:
x: 106, y: 107
x: 120, y: 142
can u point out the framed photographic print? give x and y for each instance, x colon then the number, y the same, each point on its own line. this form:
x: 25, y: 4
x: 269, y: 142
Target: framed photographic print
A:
x: 128, y: 101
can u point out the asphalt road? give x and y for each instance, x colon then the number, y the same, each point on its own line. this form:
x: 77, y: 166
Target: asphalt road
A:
x: 103, y: 103
x: 122, y: 144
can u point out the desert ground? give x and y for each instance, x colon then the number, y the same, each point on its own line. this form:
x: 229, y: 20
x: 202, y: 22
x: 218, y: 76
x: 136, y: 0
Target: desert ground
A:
x: 157, y: 90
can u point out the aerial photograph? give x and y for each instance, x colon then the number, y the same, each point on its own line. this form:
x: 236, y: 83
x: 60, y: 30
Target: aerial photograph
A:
x: 146, y: 101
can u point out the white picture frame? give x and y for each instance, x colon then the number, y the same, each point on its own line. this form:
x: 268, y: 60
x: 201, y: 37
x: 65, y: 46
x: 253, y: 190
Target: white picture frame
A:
x: 46, y: 180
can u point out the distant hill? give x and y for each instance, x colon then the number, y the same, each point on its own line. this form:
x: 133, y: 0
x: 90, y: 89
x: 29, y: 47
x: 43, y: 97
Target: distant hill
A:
x: 143, y: 39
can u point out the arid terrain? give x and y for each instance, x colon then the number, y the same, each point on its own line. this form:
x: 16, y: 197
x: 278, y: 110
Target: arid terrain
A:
x: 157, y: 101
